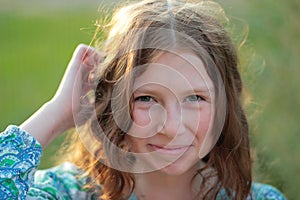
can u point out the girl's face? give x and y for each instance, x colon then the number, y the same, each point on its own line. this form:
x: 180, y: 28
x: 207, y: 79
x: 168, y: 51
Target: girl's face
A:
x: 172, y: 112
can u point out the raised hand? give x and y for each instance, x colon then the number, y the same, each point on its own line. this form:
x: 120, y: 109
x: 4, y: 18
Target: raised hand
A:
x: 56, y: 116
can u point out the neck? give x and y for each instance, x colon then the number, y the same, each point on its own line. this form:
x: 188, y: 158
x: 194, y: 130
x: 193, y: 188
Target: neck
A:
x: 160, y: 185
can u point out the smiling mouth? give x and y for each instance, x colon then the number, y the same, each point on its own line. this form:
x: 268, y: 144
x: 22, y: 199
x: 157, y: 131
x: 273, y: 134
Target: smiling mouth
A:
x: 176, y: 150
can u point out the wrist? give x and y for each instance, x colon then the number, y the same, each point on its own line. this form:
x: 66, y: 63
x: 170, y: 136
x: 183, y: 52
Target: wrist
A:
x: 46, y: 124
x: 60, y: 114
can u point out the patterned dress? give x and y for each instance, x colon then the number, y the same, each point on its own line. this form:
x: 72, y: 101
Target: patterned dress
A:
x: 20, y: 155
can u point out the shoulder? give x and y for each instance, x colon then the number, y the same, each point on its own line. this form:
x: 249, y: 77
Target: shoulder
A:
x: 19, y: 157
x: 258, y: 191
x: 63, y: 181
x: 261, y: 191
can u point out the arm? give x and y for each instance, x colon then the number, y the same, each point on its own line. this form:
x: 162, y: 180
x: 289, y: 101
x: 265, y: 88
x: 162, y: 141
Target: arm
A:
x: 20, y: 147
x: 56, y: 116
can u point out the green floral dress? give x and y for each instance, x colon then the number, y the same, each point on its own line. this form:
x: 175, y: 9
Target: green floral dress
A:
x: 20, y: 155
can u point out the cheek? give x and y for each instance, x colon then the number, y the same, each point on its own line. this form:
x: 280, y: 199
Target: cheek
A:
x: 136, y: 144
x: 142, y: 126
x: 141, y: 117
x: 201, y: 124
x: 205, y: 121
x: 205, y: 137
x: 198, y: 120
x: 149, y: 117
x: 132, y: 143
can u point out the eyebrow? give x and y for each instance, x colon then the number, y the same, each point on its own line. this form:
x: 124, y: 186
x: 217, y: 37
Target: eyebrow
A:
x: 150, y: 89
x: 206, y: 91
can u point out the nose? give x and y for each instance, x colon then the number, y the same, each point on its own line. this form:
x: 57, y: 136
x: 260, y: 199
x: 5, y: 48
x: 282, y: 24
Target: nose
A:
x: 172, y: 124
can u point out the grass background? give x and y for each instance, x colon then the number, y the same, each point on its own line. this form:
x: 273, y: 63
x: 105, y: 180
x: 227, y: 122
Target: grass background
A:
x: 37, y: 40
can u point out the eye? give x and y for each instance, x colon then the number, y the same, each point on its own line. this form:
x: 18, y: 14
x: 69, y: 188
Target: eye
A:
x: 194, y: 98
x: 144, y: 99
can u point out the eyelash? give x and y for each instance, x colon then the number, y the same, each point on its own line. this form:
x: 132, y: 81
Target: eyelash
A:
x: 142, y: 98
x: 149, y: 98
x: 198, y: 98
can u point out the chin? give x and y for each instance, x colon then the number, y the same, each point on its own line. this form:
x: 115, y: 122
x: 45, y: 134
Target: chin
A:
x: 185, y: 164
x: 173, y: 171
x: 177, y: 168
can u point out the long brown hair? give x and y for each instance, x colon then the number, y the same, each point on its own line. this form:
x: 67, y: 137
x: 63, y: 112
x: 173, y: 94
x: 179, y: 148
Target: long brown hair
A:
x: 138, y: 33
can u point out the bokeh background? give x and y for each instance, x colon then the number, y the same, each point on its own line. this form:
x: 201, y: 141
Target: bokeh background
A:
x: 37, y: 39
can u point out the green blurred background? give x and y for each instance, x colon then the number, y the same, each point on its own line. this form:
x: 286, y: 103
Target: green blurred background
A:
x: 37, y: 39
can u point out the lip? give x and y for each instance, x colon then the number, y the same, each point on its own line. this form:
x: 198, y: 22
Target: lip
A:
x: 172, y: 150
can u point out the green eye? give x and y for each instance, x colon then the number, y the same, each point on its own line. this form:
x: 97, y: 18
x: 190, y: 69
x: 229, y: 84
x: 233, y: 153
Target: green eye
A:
x: 144, y: 98
x: 193, y: 98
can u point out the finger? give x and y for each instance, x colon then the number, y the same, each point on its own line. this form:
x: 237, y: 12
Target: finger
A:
x: 92, y: 58
x: 89, y: 62
x: 91, y: 78
x: 82, y: 50
x: 88, y: 58
x: 88, y: 79
x: 76, y: 61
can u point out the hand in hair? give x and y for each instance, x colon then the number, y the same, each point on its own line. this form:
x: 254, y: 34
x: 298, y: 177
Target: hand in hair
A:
x: 56, y: 116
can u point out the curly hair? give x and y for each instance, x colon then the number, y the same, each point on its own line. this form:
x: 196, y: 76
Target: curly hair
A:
x: 138, y: 34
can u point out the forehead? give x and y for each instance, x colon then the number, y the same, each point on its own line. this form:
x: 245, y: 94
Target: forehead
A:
x: 175, y: 70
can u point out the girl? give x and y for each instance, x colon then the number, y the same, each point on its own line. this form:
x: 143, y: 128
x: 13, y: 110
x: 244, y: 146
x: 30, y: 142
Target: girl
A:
x: 158, y: 115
